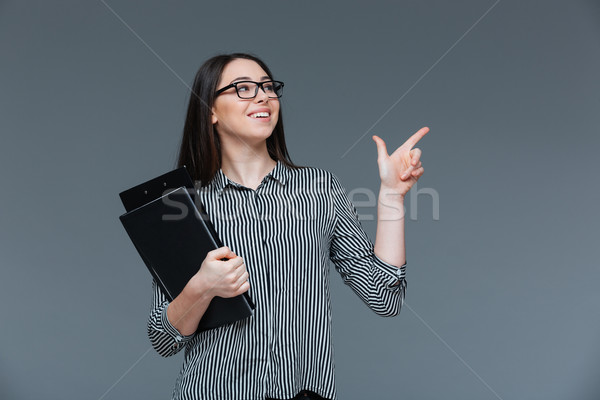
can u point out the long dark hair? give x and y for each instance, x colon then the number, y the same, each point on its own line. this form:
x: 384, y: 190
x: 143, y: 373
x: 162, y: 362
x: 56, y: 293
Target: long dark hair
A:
x: 200, y: 149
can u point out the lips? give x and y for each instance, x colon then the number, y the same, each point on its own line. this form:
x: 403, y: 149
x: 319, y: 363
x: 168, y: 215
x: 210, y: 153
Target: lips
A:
x: 262, y: 114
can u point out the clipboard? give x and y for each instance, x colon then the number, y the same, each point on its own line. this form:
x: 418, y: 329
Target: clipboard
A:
x: 172, y: 232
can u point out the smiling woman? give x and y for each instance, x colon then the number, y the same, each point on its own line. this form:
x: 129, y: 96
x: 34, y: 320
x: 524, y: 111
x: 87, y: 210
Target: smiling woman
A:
x: 245, y: 112
x: 201, y: 144
x: 281, y: 225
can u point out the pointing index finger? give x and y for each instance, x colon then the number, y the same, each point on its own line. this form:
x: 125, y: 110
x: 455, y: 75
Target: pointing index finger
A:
x: 414, y: 139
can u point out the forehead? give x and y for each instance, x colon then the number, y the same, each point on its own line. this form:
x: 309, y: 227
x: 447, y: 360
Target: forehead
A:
x: 242, y: 68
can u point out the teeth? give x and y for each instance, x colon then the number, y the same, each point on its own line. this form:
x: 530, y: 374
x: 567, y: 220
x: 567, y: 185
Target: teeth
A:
x: 260, y: 115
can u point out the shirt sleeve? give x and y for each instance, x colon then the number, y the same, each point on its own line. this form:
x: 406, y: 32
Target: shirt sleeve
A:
x: 165, y: 338
x: 380, y: 285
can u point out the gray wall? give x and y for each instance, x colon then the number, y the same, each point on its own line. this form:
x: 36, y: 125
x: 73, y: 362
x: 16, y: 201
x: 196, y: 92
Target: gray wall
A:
x: 502, y: 298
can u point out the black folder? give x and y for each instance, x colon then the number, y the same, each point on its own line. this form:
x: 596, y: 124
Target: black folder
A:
x: 172, y: 233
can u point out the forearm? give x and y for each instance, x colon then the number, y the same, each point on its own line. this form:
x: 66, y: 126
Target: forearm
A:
x: 165, y: 338
x: 187, y: 309
x: 389, y: 240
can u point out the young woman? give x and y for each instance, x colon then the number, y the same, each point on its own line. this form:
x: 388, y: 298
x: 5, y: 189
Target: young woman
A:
x: 281, y: 225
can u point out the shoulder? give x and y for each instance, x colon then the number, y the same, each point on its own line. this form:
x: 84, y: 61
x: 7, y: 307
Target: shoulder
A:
x: 310, y: 176
x: 314, y: 178
x: 309, y: 172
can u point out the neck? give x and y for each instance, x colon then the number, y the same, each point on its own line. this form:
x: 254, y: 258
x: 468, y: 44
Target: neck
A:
x: 248, y: 165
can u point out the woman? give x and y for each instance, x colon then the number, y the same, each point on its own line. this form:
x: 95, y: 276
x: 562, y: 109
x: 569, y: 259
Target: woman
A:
x: 281, y: 225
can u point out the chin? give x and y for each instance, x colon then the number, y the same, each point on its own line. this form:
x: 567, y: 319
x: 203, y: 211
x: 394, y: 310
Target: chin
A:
x: 265, y: 132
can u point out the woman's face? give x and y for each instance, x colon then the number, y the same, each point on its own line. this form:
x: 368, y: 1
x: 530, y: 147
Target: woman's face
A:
x: 238, y: 118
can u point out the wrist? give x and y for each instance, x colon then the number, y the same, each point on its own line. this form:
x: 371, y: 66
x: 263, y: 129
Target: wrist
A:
x: 197, y: 289
x: 389, y: 195
x: 390, y: 212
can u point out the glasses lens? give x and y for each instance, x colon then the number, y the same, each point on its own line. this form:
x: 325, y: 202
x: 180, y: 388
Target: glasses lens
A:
x: 246, y: 90
x: 273, y: 88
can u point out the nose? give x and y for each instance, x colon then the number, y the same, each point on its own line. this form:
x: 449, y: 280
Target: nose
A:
x: 261, y: 95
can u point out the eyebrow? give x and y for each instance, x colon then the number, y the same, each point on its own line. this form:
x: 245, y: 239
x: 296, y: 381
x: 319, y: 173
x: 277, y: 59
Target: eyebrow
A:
x: 247, y: 78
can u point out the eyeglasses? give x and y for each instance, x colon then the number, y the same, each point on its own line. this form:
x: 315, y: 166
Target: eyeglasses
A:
x: 249, y: 89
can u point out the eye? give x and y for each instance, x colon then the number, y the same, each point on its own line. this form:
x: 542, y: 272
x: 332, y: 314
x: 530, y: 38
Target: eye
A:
x: 269, y: 87
x: 243, y: 87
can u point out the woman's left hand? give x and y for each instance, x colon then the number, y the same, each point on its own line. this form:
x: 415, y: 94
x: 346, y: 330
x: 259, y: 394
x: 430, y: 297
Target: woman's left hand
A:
x: 400, y: 170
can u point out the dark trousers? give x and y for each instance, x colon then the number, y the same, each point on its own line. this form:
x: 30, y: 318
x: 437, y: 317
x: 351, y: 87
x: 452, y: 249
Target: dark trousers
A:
x: 305, y: 395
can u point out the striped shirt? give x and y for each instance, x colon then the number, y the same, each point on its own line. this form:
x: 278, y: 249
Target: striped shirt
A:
x: 286, y: 231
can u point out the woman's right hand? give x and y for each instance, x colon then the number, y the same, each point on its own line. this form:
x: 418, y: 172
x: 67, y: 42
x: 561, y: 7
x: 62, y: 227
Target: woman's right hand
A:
x: 222, y: 274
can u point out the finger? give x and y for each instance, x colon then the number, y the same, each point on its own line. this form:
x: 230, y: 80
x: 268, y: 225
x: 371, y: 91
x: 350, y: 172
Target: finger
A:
x: 412, y: 141
x: 243, y: 278
x: 381, y: 147
x: 220, y: 253
x: 415, y: 156
x: 243, y: 288
x: 417, y: 172
x: 406, y: 174
x: 236, y: 262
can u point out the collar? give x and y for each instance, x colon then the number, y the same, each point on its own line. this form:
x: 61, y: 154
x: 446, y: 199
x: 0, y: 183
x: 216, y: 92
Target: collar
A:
x: 220, y: 182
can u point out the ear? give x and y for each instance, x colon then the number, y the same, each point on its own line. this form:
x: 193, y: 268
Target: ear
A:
x: 213, y: 117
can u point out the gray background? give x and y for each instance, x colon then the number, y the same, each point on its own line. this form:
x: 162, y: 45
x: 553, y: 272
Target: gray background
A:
x: 502, y: 298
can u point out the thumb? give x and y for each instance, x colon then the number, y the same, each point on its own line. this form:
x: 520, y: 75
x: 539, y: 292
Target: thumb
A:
x: 220, y: 253
x: 381, y: 148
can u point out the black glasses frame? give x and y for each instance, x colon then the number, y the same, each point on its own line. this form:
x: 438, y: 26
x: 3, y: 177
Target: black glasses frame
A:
x: 259, y: 85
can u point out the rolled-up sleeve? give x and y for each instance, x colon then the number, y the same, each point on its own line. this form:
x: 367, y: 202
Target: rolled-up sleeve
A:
x: 380, y: 285
x: 165, y: 338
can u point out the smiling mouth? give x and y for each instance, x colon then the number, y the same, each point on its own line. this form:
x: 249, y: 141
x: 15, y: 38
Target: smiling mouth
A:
x: 260, y: 115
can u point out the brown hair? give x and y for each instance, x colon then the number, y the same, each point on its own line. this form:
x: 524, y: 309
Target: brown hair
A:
x: 200, y: 149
